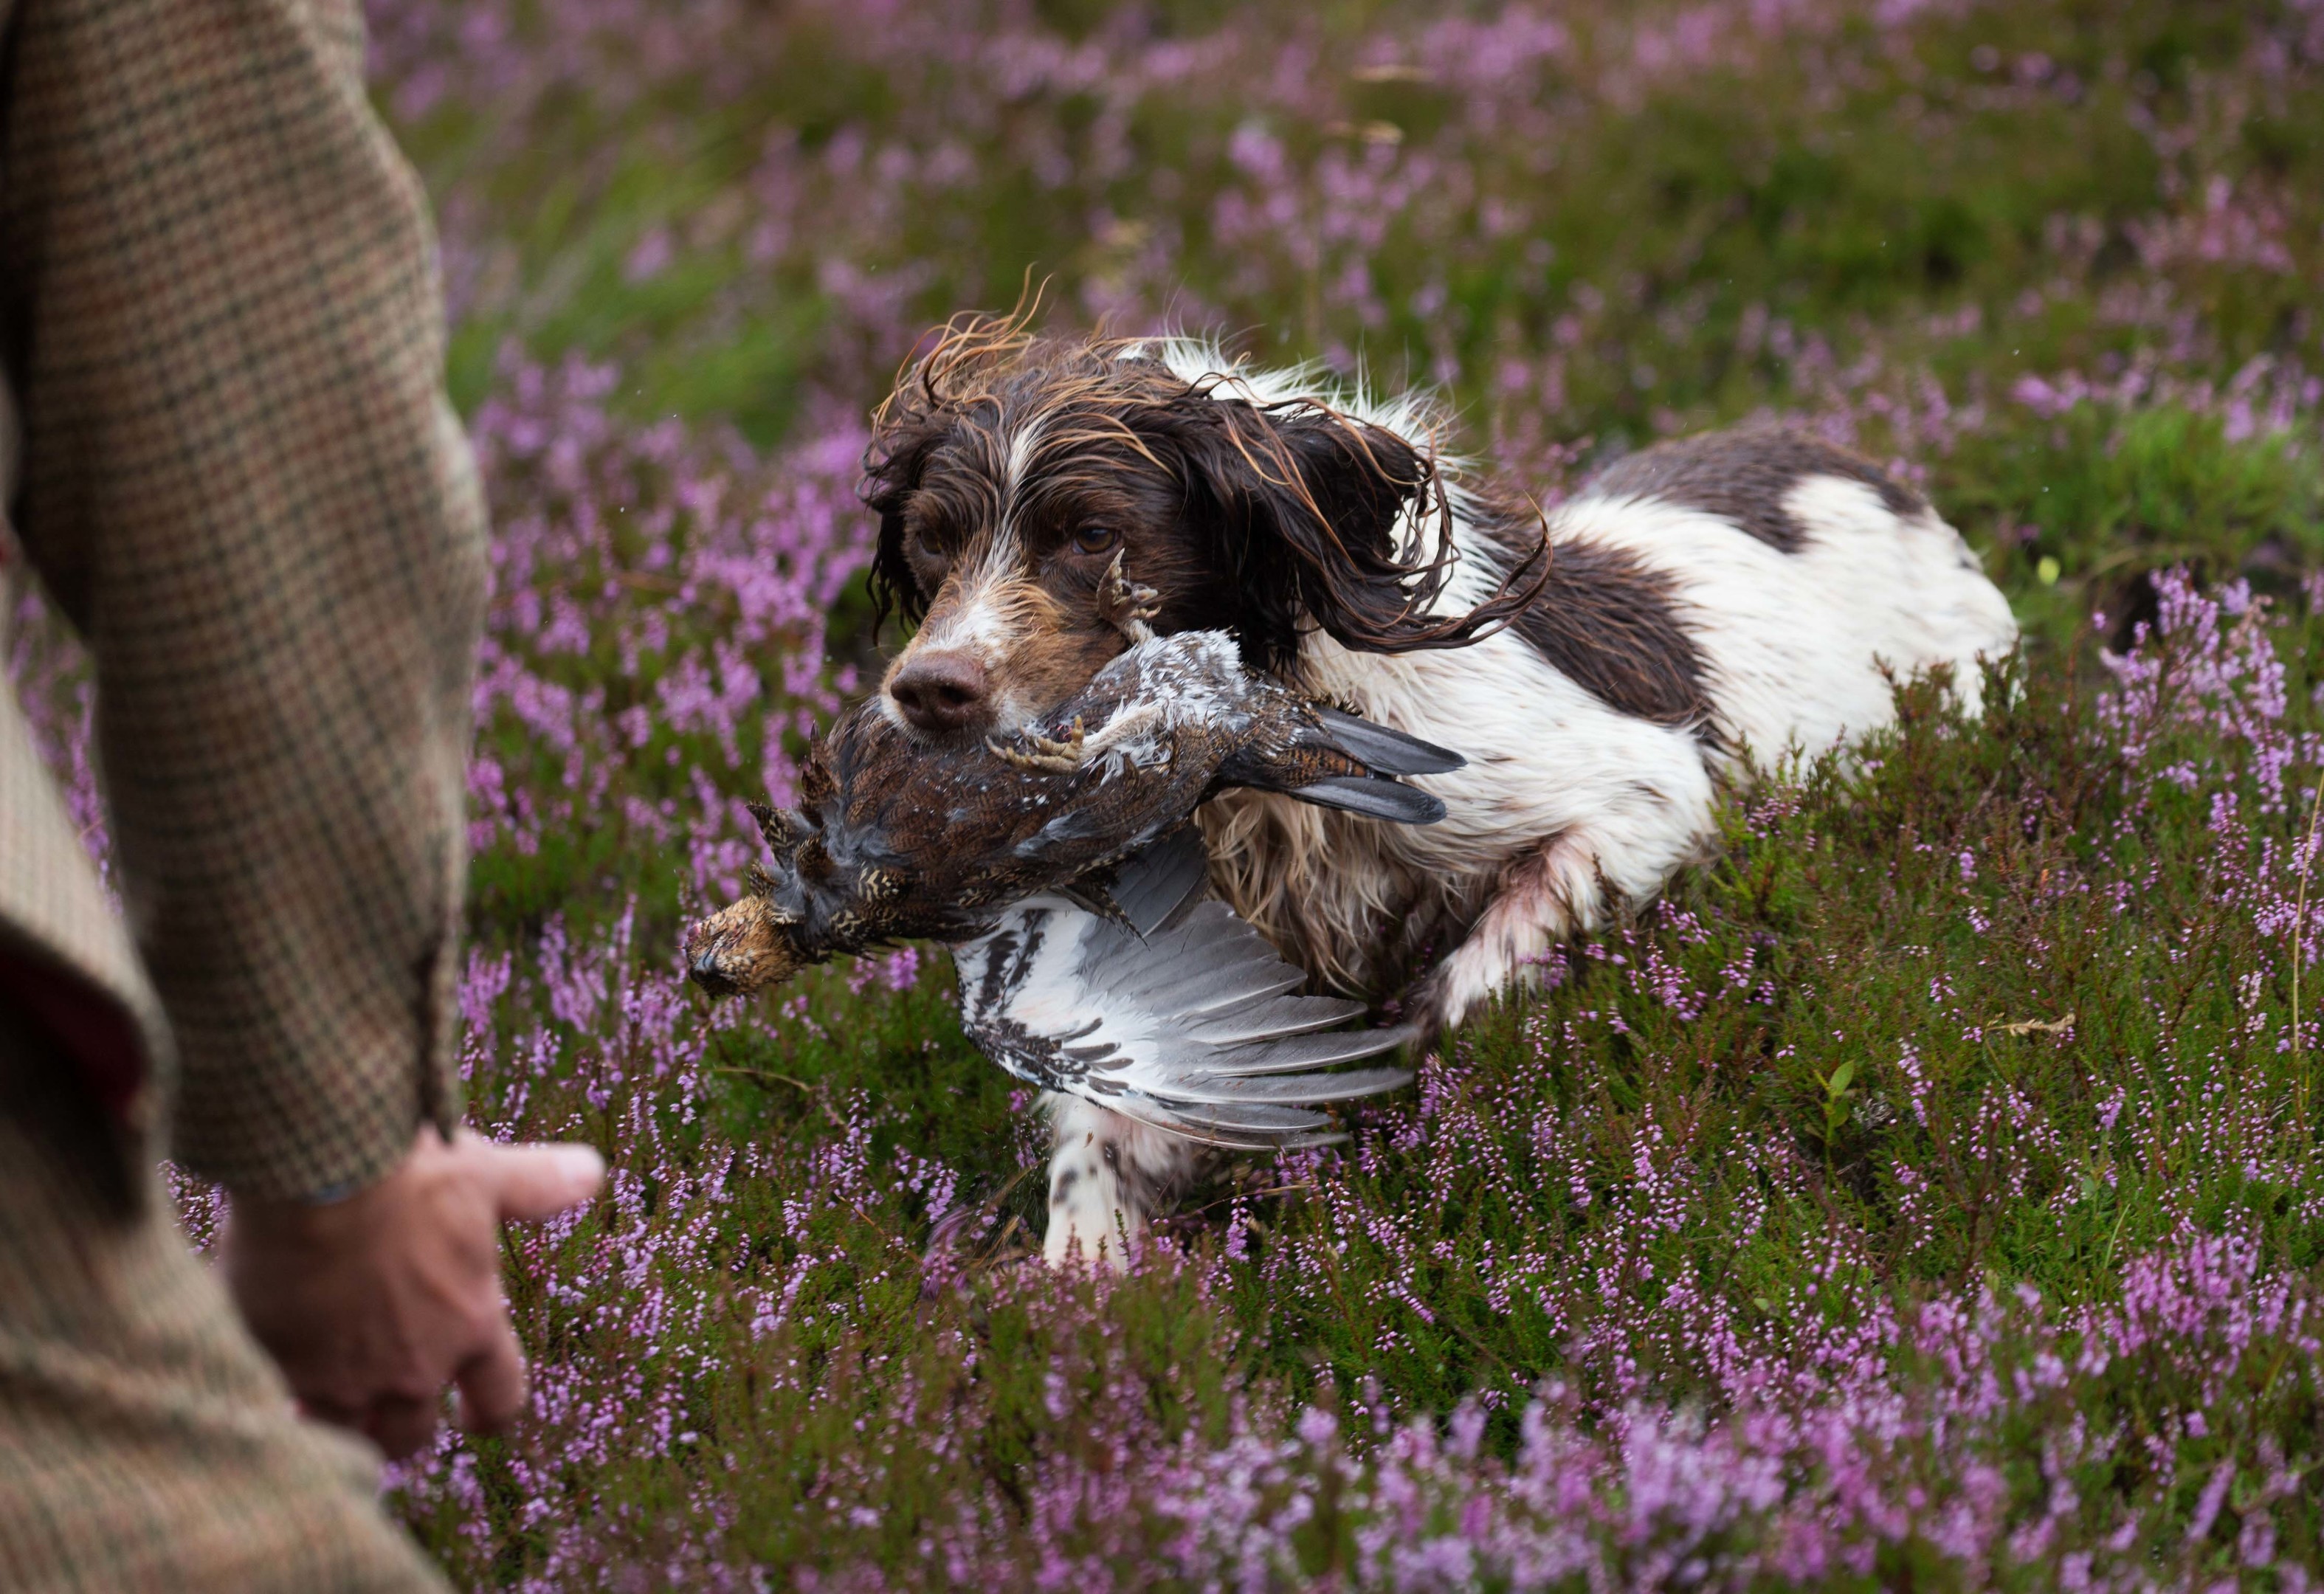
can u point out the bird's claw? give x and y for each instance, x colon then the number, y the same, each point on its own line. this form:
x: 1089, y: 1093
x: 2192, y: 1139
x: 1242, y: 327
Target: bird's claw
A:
x: 1126, y: 605
x: 1050, y: 754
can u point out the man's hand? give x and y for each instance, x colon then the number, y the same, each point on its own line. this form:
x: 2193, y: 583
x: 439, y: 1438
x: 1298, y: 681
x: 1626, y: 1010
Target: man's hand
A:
x: 371, y: 1305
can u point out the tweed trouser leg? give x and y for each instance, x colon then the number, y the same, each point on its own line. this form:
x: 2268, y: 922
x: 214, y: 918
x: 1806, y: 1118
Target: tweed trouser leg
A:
x: 145, y: 1441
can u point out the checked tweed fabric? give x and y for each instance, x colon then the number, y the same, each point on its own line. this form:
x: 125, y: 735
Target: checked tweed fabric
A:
x: 146, y: 1443
x: 235, y: 473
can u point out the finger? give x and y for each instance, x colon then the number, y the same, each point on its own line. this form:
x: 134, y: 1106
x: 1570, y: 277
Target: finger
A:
x: 399, y: 1425
x: 491, y: 1383
x: 541, y: 1180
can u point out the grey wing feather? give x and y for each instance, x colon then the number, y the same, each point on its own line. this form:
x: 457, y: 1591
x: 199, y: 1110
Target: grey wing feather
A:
x: 1307, y: 1051
x: 1192, y: 1027
x: 1284, y: 1090
x: 1211, y: 977
x: 1273, y: 1128
x: 1162, y: 883
x: 1263, y: 1016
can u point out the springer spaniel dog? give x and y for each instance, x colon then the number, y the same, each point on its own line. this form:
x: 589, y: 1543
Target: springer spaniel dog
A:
x: 1604, y: 667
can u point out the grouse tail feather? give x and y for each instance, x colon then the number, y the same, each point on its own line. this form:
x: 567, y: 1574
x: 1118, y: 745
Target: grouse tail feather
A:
x: 1377, y: 797
x: 1389, y: 752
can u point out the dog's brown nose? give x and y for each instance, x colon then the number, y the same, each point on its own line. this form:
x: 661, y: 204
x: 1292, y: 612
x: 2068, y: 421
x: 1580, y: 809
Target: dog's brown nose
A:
x: 942, y: 691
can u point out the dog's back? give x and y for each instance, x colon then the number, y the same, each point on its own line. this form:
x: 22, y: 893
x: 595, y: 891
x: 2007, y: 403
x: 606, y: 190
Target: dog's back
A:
x: 1837, y: 563
x: 1711, y: 602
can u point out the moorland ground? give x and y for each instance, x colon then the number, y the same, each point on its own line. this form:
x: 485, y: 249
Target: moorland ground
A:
x: 1926, y: 1193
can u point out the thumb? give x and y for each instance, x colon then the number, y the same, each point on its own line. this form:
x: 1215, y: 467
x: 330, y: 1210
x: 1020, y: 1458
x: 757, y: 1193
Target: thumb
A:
x: 540, y: 1181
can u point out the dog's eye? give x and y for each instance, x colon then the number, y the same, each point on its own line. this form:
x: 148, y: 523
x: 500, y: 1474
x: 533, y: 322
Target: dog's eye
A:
x: 1096, y: 540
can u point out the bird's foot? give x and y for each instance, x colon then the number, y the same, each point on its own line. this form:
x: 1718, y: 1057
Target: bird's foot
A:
x: 1052, y: 755
x: 1126, y: 605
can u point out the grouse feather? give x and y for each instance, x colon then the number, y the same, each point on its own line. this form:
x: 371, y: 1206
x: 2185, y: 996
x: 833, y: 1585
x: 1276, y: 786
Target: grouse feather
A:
x: 1174, y: 1012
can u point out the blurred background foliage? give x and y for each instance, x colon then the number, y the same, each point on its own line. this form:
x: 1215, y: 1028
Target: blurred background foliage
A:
x: 1589, y: 225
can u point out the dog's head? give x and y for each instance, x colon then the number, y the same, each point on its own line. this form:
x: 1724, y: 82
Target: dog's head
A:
x: 1011, y: 472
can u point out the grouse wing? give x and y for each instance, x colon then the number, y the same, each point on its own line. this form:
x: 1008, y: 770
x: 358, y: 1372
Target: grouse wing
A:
x: 1195, y: 1026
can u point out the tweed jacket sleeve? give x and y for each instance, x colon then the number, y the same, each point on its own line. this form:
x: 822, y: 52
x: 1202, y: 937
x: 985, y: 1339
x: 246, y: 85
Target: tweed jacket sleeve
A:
x: 243, y: 483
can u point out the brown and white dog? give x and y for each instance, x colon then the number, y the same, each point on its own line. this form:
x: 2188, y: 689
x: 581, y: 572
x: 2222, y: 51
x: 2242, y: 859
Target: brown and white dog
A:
x: 1603, y: 668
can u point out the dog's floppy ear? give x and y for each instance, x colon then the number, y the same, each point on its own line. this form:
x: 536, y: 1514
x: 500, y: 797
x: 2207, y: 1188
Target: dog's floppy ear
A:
x: 1322, y: 518
x: 892, y: 467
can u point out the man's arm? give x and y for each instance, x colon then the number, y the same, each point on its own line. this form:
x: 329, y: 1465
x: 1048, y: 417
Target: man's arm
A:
x: 244, y: 485
x: 220, y: 314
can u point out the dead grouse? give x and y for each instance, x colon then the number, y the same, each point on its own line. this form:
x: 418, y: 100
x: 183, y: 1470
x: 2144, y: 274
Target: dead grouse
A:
x: 893, y: 841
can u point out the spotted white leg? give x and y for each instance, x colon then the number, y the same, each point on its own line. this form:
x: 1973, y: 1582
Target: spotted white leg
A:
x: 1108, y: 1174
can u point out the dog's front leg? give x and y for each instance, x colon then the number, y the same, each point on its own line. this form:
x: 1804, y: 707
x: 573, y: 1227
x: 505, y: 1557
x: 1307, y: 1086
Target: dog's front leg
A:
x: 1550, y: 892
x: 1108, y: 1174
